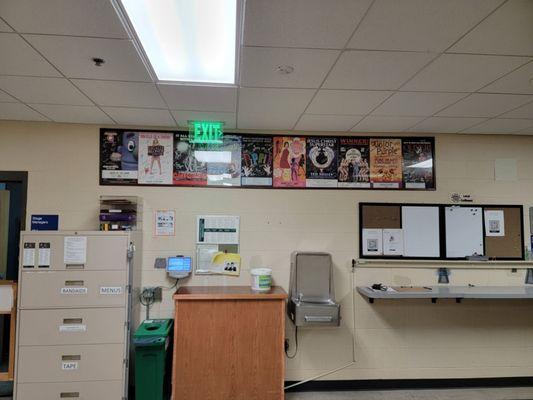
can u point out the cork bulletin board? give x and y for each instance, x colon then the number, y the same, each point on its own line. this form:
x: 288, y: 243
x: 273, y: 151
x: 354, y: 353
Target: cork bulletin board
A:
x: 388, y: 216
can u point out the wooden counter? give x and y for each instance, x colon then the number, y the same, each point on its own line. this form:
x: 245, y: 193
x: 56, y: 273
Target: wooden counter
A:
x: 228, y: 343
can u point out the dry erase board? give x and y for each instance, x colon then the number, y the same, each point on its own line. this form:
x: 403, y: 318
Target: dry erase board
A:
x: 440, y: 231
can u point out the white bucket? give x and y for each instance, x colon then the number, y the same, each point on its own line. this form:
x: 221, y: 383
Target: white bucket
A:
x: 261, y: 279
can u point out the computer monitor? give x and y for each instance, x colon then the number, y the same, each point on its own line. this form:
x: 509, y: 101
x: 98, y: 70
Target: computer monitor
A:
x: 179, y: 266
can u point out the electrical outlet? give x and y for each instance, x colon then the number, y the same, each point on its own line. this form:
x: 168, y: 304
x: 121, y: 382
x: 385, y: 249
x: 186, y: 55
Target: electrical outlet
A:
x: 158, y: 294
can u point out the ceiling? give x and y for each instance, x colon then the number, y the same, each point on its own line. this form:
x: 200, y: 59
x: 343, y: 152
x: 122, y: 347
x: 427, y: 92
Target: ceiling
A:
x: 359, y: 65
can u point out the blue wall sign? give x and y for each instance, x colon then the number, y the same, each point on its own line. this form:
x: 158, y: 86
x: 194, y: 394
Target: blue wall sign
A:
x: 44, y: 222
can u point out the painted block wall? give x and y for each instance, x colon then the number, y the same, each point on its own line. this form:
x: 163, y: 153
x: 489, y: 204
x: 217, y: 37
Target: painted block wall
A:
x: 395, y: 340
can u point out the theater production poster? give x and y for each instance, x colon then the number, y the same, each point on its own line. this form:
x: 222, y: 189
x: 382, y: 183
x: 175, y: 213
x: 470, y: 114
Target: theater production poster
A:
x: 321, y: 162
x: 188, y: 170
x: 119, y: 157
x: 386, y: 163
x: 223, y: 162
x: 354, y: 162
x: 155, y: 158
x: 418, y: 163
x: 256, y: 164
x: 289, y: 162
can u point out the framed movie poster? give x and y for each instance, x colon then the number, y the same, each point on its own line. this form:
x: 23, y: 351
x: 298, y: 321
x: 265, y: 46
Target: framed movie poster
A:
x: 119, y: 154
x: 354, y: 162
x: 188, y: 169
x: 256, y: 163
x: 322, y: 153
x: 289, y: 162
x: 155, y: 158
x: 418, y: 171
x: 386, y: 163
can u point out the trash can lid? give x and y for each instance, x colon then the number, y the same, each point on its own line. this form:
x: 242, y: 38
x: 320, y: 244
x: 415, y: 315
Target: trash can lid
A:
x: 154, y: 328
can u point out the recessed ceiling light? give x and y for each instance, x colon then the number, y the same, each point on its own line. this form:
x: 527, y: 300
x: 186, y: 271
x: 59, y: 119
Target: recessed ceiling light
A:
x: 284, y: 69
x: 188, y: 41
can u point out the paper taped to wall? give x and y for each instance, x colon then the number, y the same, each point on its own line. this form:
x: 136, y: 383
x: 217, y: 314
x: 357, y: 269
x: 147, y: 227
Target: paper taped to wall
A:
x: 494, y: 223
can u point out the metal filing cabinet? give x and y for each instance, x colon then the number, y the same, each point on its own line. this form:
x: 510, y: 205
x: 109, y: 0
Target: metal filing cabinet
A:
x: 75, y: 302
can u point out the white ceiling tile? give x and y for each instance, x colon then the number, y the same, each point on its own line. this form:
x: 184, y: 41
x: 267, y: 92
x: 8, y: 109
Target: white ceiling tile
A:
x: 508, y: 31
x: 4, y: 27
x: 501, y: 125
x: 462, y: 72
x: 385, y: 124
x: 314, y: 122
x: 525, y: 111
x: 346, y: 102
x: 125, y: 94
x: 5, y: 98
x: 140, y: 116
x: 64, y: 17
x: 485, y: 105
x: 445, y: 124
x: 199, y: 98
x: 518, y: 81
x: 375, y: 70
x: 310, y: 67
x: 18, y: 58
x: 73, y: 57
x: 73, y: 114
x: 417, y: 104
x: 419, y: 25
x: 19, y: 111
x: 182, y: 118
x: 43, y: 90
x: 271, y: 108
x: 302, y: 23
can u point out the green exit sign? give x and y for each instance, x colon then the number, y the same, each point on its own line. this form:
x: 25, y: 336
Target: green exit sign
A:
x: 207, y: 132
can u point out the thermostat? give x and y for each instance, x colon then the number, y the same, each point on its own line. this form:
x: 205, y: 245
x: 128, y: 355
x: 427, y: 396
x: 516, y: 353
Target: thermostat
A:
x: 179, y: 266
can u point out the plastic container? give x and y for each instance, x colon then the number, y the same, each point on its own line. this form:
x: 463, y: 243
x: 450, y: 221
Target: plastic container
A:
x: 261, y: 279
x: 153, y: 355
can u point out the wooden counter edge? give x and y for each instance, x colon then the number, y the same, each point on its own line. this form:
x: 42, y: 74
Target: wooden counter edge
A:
x: 227, y: 293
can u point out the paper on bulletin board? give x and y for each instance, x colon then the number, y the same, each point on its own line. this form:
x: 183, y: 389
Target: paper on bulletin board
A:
x: 392, y: 242
x: 165, y: 223
x: 75, y: 250
x: 211, y: 259
x: 372, y: 242
x: 217, y: 229
x: 494, y: 223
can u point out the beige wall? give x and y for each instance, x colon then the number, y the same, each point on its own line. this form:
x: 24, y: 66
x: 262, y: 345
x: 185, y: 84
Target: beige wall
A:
x: 408, y: 339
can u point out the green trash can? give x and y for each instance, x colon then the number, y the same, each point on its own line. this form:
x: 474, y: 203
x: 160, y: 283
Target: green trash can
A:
x: 153, y: 359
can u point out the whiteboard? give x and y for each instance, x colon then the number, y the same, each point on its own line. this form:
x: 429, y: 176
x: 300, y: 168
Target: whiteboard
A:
x: 421, y: 231
x: 464, y: 231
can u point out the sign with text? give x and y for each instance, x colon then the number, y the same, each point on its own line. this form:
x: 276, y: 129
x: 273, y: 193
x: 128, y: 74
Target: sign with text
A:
x: 206, y: 132
x: 44, y: 222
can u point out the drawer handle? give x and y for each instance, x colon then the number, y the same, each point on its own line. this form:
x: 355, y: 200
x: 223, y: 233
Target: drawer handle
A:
x: 74, y: 283
x: 75, y: 266
x: 68, y: 321
x: 69, y: 395
x: 315, y: 318
x: 71, y: 358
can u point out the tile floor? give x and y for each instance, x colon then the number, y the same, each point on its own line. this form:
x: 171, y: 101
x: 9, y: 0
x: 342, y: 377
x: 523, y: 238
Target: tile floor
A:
x: 516, y: 393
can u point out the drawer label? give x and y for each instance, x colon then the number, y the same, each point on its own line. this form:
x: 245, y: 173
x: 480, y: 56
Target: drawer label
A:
x: 111, y: 290
x: 73, y: 328
x: 69, y: 365
x: 73, y: 290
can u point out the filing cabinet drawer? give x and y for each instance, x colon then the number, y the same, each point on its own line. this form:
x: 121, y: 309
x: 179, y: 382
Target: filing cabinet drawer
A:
x: 65, y: 289
x: 104, y: 252
x: 70, y: 363
x: 111, y: 390
x: 72, y: 326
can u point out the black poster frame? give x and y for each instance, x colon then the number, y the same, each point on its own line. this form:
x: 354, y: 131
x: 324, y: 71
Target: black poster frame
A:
x: 431, y: 139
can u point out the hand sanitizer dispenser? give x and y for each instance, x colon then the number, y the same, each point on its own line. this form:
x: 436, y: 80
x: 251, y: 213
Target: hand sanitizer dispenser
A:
x: 311, y: 292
